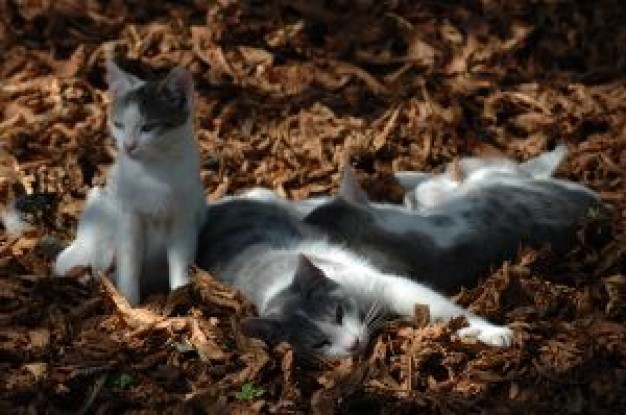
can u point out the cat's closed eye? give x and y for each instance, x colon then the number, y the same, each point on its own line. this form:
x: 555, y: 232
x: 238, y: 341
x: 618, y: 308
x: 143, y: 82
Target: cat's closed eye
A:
x: 339, y: 314
x: 147, y: 127
x: 118, y: 125
x: 321, y: 344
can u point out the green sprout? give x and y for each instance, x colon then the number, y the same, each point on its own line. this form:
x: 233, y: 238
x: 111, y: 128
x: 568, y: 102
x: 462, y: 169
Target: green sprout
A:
x: 120, y: 380
x: 249, y: 392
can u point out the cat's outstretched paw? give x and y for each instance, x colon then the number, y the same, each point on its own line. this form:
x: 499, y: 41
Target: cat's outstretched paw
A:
x: 492, y: 335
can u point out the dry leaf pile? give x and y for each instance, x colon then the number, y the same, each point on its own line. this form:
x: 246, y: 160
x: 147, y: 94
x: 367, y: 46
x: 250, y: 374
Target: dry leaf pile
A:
x: 286, y: 89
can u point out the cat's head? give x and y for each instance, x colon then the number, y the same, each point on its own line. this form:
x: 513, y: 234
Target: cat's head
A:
x: 317, y: 317
x: 542, y: 166
x: 147, y: 117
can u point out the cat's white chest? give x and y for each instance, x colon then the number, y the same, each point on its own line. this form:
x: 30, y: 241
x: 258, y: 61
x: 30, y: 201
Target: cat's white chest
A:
x: 151, y: 199
x: 156, y: 195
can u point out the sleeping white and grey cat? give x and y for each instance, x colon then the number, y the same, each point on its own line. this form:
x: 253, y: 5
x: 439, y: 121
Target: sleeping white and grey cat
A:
x: 147, y: 217
x: 479, y: 224
x: 319, y: 296
x: 426, y: 190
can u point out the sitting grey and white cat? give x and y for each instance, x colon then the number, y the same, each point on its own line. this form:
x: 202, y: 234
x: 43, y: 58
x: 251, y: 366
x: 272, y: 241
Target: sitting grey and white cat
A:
x: 483, y: 221
x: 148, y: 216
x: 321, y: 297
x: 426, y: 190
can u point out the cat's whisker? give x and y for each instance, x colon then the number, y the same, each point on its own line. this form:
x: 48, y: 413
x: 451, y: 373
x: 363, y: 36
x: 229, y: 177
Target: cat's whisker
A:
x: 377, y: 322
x: 377, y: 313
x: 373, y: 310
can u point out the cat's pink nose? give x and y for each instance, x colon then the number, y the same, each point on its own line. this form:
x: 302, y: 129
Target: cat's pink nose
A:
x: 130, y: 147
x: 355, y: 346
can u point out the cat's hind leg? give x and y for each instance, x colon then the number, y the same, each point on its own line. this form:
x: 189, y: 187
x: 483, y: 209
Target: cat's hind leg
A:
x: 425, y: 190
x: 94, y: 243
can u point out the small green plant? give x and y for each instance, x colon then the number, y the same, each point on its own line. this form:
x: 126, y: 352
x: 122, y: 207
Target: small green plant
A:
x: 119, y: 380
x: 249, y: 392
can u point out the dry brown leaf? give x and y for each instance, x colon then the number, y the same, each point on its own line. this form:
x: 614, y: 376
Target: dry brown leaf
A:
x: 284, y: 92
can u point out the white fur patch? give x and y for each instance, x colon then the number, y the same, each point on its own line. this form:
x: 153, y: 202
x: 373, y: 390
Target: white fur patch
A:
x: 13, y: 222
x: 94, y: 243
x: 488, y: 333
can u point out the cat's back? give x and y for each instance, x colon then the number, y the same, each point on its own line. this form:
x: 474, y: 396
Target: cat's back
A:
x: 519, y: 203
x: 488, y: 223
x: 392, y: 239
x: 450, y: 244
x: 236, y: 225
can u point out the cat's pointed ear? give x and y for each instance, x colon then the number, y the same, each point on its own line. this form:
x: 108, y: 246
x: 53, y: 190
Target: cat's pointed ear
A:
x: 264, y: 328
x: 349, y: 189
x: 119, y: 81
x: 308, y: 277
x: 180, y: 83
x: 544, y: 165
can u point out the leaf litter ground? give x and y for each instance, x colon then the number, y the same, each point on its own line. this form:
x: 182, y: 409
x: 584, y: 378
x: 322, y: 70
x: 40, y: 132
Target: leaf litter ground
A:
x: 285, y: 90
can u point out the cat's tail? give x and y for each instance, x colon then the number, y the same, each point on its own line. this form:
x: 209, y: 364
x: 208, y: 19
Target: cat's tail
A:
x: 94, y: 243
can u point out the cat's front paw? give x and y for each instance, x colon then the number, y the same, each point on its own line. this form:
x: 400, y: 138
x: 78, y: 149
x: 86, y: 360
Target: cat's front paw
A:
x: 490, y: 334
x: 68, y: 259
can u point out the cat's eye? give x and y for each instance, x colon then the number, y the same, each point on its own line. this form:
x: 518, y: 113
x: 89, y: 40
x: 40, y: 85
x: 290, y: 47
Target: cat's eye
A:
x: 339, y: 314
x: 118, y: 125
x: 146, y: 128
x: 321, y: 344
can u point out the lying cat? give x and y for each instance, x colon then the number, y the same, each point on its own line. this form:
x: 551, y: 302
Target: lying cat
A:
x: 426, y: 190
x: 481, y: 222
x: 320, y: 297
x: 149, y: 214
